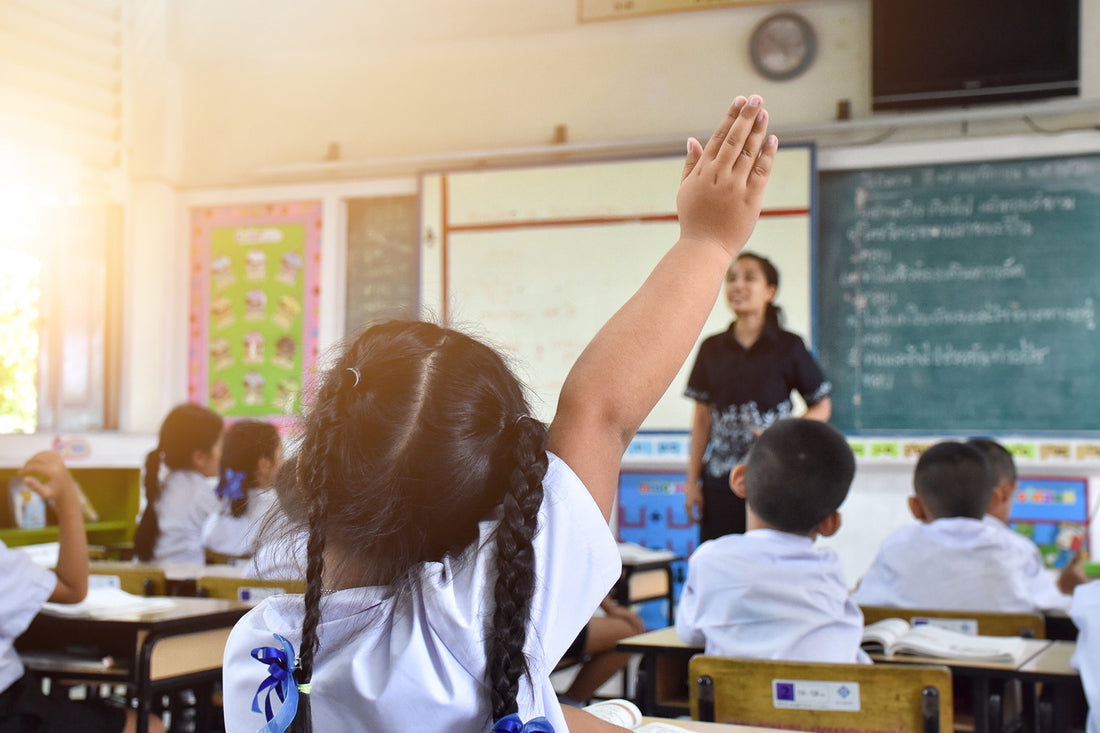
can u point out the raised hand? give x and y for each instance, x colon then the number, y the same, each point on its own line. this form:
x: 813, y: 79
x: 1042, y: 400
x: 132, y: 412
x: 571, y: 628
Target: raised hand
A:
x: 722, y: 187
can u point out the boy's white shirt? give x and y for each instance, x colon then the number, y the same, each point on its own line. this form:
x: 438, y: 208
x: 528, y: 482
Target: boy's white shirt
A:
x: 1085, y: 612
x: 769, y: 595
x: 24, y: 587
x: 423, y: 663
x: 958, y: 563
x: 229, y: 535
x: 187, y: 498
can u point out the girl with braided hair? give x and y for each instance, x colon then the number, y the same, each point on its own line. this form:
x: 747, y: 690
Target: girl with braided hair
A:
x: 456, y: 544
x: 252, y: 453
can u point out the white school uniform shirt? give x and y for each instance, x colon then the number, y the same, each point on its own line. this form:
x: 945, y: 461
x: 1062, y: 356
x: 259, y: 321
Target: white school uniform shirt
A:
x: 420, y: 663
x: 1041, y: 586
x: 281, y: 556
x: 769, y: 595
x: 229, y: 535
x: 24, y: 587
x: 1085, y: 611
x: 186, y: 499
x: 955, y: 563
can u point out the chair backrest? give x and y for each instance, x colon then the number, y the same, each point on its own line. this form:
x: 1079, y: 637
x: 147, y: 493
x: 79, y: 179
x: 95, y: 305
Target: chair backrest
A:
x: 901, y: 698
x: 989, y: 623
x: 246, y: 589
x: 136, y: 578
x: 218, y: 558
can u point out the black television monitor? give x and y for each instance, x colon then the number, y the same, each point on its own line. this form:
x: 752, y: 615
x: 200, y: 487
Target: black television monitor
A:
x: 937, y: 53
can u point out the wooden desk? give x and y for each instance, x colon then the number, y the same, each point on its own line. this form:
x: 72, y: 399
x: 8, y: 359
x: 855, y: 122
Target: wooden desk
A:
x: 153, y: 651
x: 1045, y: 662
x: 1052, y: 667
x: 646, y: 580
x: 661, y: 687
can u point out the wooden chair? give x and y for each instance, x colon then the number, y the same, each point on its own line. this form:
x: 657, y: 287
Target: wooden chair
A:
x: 907, y: 698
x: 245, y: 589
x: 218, y: 558
x: 136, y: 578
x: 990, y: 623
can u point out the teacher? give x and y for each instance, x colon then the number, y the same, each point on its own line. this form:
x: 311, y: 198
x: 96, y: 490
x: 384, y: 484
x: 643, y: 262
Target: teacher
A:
x: 741, y: 383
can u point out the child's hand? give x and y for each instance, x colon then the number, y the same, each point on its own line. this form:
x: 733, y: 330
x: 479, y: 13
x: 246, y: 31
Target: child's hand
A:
x: 46, y: 475
x: 722, y: 188
x: 1072, y: 575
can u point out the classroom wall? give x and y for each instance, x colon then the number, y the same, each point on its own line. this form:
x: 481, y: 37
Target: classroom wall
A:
x: 240, y: 101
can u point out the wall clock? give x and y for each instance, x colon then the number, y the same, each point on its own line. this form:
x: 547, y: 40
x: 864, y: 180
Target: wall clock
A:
x: 782, y: 46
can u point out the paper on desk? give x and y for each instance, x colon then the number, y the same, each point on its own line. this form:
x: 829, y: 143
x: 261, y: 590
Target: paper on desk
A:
x: 631, y: 552
x: 44, y: 554
x: 103, y: 601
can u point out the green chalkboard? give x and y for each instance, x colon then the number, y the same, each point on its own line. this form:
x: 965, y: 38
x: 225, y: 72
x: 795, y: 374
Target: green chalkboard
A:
x: 962, y: 296
x: 383, y: 269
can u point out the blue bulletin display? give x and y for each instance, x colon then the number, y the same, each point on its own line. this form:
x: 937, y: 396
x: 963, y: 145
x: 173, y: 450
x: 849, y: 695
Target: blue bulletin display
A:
x: 652, y: 514
x: 1053, y: 512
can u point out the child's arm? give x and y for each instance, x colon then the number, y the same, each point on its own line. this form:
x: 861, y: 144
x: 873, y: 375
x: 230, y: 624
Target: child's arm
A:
x: 46, y: 474
x: 632, y: 360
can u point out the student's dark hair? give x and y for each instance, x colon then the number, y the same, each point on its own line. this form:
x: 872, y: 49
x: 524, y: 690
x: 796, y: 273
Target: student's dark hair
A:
x: 417, y: 433
x: 953, y: 479
x: 797, y: 474
x: 245, y: 443
x: 773, y: 314
x: 1000, y: 460
x: 186, y: 429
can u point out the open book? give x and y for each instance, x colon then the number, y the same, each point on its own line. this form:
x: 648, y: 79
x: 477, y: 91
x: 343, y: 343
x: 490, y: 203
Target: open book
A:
x: 895, y: 636
x: 109, y: 602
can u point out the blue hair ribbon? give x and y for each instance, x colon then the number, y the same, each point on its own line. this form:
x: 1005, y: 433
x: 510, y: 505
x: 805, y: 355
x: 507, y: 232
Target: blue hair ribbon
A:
x: 230, y: 485
x: 280, y: 681
x: 513, y: 724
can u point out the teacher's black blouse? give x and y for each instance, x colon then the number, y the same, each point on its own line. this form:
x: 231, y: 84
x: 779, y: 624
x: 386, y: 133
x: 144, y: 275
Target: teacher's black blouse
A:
x: 750, y: 388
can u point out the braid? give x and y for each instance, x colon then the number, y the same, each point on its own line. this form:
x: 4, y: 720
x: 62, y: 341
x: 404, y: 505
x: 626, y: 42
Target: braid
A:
x: 148, y: 529
x: 515, y: 565
x: 315, y: 570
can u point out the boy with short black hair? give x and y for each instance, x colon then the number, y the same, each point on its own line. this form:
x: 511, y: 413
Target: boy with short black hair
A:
x: 768, y: 593
x: 955, y: 559
x: 1047, y: 593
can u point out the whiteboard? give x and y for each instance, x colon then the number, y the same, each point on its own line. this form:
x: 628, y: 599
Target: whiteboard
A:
x: 534, y: 260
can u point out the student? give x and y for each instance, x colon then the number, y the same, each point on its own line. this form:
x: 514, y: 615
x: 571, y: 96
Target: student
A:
x: 769, y: 594
x: 281, y: 541
x: 596, y: 644
x: 953, y: 559
x: 456, y: 545
x: 24, y: 587
x: 1047, y: 593
x: 251, y: 455
x: 1085, y: 611
x: 171, y: 526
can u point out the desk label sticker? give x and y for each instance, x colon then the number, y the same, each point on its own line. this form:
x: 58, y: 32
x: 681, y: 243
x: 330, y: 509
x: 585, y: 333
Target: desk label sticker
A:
x: 814, y: 695
x: 959, y: 625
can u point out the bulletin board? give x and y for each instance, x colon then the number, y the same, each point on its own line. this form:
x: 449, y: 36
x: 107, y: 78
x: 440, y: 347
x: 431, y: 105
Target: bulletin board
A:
x: 255, y: 294
x: 534, y: 260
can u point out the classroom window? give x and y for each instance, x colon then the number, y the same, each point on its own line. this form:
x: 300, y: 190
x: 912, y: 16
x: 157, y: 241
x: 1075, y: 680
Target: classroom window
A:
x: 59, y: 290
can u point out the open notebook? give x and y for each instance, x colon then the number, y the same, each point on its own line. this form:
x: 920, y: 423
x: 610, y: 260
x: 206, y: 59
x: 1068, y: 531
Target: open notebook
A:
x: 895, y: 636
x: 105, y: 601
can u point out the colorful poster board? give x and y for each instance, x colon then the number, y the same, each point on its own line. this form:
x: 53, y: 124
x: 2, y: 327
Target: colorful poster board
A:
x: 1053, y: 513
x: 255, y: 296
x: 652, y: 514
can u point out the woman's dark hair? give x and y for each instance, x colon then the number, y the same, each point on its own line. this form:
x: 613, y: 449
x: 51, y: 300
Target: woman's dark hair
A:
x: 245, y: 443
x: 773, y: 315
x: 416, y: 434
x: 186, y: 429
